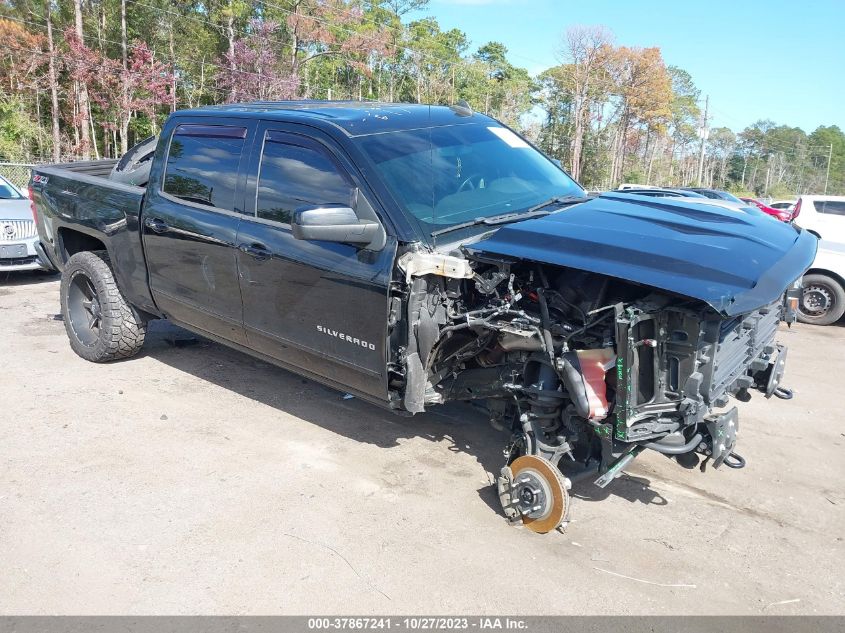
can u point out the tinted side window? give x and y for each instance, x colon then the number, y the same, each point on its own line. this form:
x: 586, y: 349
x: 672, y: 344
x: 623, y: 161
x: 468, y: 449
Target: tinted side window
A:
x: 202, y: 164
x: 293, y: 176
x: 832, y: 207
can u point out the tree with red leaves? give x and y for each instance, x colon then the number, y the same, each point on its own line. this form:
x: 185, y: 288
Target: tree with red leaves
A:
x: 120, y: 92
x: 253, y: 69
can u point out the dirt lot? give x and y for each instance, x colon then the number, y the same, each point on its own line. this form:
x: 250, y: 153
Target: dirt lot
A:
x: 193, y: 479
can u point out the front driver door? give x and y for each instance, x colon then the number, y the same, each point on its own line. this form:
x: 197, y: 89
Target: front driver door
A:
x: 190, y: 224
x: 319, y: 306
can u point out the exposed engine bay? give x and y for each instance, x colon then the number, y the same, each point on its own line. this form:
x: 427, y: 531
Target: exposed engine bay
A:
x: 583, y: 370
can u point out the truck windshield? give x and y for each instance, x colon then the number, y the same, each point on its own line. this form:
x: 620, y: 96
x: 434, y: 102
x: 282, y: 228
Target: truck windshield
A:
x: 453, y: 174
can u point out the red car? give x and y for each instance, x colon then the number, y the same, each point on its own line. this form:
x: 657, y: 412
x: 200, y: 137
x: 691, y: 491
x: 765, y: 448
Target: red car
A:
x: 781, y: 214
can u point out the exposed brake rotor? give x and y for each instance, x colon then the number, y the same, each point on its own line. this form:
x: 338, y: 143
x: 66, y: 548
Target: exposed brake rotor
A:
x: 534, y: 491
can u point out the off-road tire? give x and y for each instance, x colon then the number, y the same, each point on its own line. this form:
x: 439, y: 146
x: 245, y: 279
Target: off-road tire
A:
x: 121, y: 329
x: 837, y: 297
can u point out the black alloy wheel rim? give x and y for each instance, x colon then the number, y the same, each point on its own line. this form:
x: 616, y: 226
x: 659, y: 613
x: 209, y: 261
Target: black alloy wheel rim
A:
x: 84, y: 310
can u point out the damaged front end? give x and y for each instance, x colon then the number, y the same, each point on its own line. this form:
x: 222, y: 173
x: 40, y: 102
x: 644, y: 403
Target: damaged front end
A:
x: 583, y: 370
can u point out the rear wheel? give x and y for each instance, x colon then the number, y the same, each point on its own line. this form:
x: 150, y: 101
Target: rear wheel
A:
x: 100, y: 324
x: 823, y: 301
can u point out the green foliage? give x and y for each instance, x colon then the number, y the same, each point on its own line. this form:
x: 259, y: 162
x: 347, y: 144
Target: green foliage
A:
x: 619, y: 112
x: 635, y: 174
x: 18, y: 132
x: 781, y: 190
x: 740, y: 191
x: 832, y: 139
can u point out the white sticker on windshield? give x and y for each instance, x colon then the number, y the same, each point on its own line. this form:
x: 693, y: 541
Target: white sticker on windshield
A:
x: 508, y: 137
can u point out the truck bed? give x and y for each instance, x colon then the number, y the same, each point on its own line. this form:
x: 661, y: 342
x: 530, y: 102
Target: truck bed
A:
x: 77, y: 203
x: 96, y: 168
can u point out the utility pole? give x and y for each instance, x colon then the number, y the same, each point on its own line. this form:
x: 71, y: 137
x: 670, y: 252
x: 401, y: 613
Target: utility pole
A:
x: 827, y: 175
x: 704, y: 133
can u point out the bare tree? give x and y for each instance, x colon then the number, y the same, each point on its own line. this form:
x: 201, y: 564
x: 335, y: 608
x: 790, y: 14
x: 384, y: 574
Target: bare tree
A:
x: 229, y: 28
x: 586, y: 49
x: 54, y: 82
x: 84, y: 112
x: 124, y: 58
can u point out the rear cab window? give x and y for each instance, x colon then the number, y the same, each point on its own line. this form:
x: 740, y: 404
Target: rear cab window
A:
x: 202, y: 164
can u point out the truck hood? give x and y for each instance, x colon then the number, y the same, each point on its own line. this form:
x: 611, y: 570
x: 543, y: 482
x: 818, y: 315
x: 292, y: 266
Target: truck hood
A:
x: 736, y: 261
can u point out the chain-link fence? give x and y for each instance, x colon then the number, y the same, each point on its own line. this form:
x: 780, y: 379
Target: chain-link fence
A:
x: 16, y: 173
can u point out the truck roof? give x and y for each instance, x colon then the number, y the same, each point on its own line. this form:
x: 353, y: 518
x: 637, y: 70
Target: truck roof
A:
x: 355, y: 118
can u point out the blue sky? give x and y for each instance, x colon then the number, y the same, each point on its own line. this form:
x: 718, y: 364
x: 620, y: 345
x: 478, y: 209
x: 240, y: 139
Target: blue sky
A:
x: 756, y: 59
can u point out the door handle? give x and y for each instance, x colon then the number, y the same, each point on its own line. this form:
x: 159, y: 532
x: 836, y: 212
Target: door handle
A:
x: 157, y: 225
x: 258, y: 251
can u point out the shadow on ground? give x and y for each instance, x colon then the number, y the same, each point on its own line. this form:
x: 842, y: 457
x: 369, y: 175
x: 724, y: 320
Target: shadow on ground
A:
x: 462, y: 425
x: 26, y: 278
x: 628, y: 487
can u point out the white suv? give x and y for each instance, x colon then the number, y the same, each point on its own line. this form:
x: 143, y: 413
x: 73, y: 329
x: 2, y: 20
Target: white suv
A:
x: 823, y: 302
x: 823, y: 216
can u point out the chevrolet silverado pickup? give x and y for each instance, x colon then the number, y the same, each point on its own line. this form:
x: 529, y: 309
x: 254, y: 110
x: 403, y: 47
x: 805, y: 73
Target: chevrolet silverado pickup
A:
x: 413, y: 255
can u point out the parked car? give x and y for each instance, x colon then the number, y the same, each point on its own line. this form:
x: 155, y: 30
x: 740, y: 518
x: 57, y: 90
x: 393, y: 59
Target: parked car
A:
x: 823, y: 216
x: 784, y: 215
x: 633, y: 185
x: 783, y: 205
x: 18, y: 235
x: 691, y: 196
x: 823, y: 301
x: 716, y: 194
x: 659, y: 192
x: 729, y: 198
x: 413, y: 255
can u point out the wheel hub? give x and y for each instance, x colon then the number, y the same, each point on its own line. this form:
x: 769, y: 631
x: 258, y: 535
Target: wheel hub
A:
x: 92, y: 307
x: 84, y: 309
x: 533, y: 491
x: 816, y: 299
x: 530, y: 495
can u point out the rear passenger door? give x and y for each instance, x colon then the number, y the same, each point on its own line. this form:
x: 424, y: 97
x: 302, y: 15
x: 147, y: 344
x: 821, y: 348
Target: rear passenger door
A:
x: 318, y: 306
x: 830, y: 219
x: 190, y: 223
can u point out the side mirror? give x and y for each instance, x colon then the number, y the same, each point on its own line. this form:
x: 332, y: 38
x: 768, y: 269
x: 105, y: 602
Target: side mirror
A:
x: 333, y: 224
x: 557, y: 162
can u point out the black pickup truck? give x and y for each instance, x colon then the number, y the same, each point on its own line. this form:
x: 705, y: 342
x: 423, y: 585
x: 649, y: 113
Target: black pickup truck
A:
x: 413, y: 255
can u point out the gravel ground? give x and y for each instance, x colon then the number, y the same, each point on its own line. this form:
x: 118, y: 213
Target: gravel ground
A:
x: 194, y: 479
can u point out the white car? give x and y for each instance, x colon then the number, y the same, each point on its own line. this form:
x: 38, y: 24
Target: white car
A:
x: 823, y: 301
x: 824, y: 216
x: 18, y: 236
